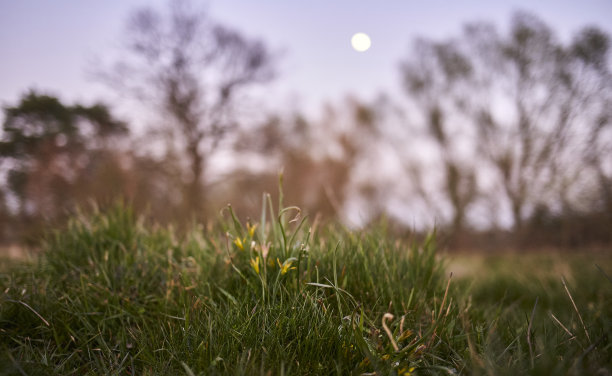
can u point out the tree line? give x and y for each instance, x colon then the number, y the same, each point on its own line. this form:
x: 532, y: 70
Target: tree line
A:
x: 497, y: 136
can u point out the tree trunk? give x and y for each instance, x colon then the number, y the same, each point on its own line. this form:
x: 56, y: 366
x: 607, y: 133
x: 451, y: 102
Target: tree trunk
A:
x: 517, y: 217
x: 196, y: 198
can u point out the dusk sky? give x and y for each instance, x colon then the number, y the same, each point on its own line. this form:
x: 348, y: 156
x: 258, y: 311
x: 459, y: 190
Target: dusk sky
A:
x: 51, y: 45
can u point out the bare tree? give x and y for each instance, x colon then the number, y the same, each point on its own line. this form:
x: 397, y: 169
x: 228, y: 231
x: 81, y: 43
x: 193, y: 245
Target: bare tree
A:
x: 194, y: 72
x: 551, y: 99
x: 521, y: 144
x: 527, y: 106
x: 591, y: 79
x: 436, y: 81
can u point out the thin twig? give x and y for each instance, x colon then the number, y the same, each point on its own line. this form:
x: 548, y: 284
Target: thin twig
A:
x: 529, y: 331
x: 604, y: 273
x: 31, y: 309
x: 561, y: 325
x: 21, y: 371
x: 445, y: 294
x: 576, y: 309
x: 592, y: 347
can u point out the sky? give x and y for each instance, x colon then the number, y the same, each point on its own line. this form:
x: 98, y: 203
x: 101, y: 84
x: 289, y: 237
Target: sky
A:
x: 53, y: 45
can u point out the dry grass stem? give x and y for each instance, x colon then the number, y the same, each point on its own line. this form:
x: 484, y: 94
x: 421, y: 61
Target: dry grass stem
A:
x: 386, y: 328
x: 529, y: 332
x: 576, y: 309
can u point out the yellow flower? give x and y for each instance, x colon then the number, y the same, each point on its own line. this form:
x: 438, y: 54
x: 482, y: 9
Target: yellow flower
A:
x: 239, y: 243
x: 405, y: 372
x: 365, y: 362
x: 251, y: 229
x: 285, y: 267
x: 407, y: 334
x: 255, y: 264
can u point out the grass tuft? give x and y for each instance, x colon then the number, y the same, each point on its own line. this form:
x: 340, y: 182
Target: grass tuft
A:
x: 113, y: 295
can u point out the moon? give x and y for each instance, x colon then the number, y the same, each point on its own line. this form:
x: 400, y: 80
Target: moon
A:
x: 361, y: 42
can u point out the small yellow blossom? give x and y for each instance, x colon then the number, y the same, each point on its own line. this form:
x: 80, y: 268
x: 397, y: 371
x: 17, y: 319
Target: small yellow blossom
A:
x: 251, y: 229
x: 239, y: 244
x: 405, y: 372
x: 285, y: 267
x: 255, y: 264
x: 365, y: 362
x: 404, y: 336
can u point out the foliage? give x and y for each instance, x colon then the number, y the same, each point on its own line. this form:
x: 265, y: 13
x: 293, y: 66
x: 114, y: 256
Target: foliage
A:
x: 50, y: 150
x: 518, y: 119
x: 194, y: 72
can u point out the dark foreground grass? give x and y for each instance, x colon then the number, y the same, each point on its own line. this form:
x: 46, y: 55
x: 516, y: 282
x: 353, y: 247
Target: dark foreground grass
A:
x: 111, y: 295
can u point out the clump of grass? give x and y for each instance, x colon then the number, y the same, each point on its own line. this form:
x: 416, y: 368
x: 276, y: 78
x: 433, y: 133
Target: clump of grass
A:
x: 113, y: 295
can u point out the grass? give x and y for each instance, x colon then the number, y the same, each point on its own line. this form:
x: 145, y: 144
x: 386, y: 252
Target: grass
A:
x: 114, y: 295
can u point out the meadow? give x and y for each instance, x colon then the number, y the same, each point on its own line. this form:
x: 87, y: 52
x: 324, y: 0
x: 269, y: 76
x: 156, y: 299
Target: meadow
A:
x: 114, y: 294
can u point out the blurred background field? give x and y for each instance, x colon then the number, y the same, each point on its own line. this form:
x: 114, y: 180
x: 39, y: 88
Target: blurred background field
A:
x: 490, y: 123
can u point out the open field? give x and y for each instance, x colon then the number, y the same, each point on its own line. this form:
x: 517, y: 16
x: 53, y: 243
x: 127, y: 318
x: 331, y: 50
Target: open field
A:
x: 114, y: 295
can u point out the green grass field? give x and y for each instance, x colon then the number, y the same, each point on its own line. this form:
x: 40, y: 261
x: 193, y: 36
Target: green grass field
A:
x: 114, y: 295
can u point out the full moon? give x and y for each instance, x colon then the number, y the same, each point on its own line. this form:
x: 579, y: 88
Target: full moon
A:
x: 361, y: 42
